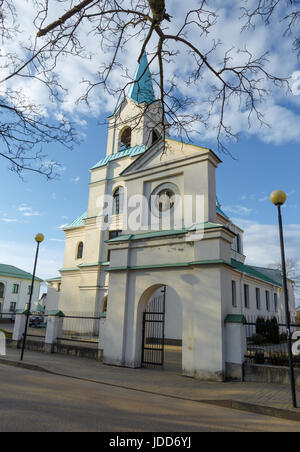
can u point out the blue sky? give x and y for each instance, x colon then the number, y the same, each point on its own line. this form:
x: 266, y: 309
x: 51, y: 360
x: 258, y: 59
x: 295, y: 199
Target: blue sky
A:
x: 264, y: 159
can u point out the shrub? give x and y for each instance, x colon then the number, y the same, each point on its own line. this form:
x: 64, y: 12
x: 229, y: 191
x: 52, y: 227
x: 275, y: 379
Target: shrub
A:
x: 283, y: 337
x: 274, y: 331
x: 261, y: 326
x: 258, y: 339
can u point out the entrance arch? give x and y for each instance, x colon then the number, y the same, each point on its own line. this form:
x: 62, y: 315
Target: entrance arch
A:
x: 159, y: 328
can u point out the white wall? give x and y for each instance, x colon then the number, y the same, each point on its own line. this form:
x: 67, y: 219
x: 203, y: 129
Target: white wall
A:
x: 252, y: 311
x: 52, y: 299
x: 22, y: 297
x: 173, y: 314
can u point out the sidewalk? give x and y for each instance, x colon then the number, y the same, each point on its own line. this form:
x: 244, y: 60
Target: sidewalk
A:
x: 267, y: 399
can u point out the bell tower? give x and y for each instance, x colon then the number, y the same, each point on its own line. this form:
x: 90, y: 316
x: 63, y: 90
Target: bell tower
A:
x: 138, y: 119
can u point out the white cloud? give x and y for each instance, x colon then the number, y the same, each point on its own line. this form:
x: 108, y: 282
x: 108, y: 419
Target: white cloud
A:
x: 24, y: 208
x: 75, y: 179
x: 10, y: 220
x: 32, y: 214
x: 279, y: 110
x: 22, y: 255
x: 28, y: 211
x: 261, y: 242
x: 62, y: 226
x: 237, y: 210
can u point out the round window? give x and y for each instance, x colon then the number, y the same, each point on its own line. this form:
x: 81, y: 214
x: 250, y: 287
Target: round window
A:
x: 165, y: 200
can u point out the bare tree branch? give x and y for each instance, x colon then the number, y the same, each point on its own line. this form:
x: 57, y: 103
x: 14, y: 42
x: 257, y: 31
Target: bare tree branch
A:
x: 237, y: 77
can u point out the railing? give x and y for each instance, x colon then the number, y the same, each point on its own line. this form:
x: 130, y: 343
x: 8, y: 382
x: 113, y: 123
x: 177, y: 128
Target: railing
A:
x: 267, y: 341
x: 7, y: 316
x: 80, y: 327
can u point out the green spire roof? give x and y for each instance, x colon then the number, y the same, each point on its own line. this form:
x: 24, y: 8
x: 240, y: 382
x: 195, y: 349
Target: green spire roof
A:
x: 142, y: 88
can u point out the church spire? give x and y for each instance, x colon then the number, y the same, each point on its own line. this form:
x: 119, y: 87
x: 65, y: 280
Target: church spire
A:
x: 142, y: 88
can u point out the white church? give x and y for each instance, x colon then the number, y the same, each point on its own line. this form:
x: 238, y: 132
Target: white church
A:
x: 155, y: 255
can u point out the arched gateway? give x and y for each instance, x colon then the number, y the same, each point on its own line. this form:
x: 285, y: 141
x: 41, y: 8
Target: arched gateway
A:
x: 161, y: 324
x: 153, y: 341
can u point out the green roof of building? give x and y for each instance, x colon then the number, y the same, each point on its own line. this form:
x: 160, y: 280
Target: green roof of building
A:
x: 235, y: 318
x: 130, y: 152
x: 272, y: 273
x: 14, y: 272
x: 168, y: 232
x: 221, y: 212
x: 253, y: 271
x: 79, y: 221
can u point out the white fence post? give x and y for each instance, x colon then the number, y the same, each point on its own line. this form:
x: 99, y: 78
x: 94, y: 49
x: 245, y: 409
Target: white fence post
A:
x: 101, y: 336
x: 19, y: 328
x: 236, y: 346
x: 54, y: 329
x: 2, y: 344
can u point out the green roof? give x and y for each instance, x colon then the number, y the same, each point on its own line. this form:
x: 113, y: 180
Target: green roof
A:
x: 221, y: 212
x: 253, y: 271
x: 235, y: 318
x: 14, y: 272
x: 79, y: 221
x: 142, y: 89
x: 130, y: 152
x: 153, y: 234
x: 272, y: 273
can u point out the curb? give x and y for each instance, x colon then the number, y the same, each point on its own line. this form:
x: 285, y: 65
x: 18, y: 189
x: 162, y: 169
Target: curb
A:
x: 24, y: 365
x: 231, y: 404
x: 258, y: 409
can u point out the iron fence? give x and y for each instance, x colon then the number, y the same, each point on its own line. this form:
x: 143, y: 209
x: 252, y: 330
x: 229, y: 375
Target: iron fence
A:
x: 7, y: 316
x: 80, y: 327
x: 267, y: 340
x: 37, y: 324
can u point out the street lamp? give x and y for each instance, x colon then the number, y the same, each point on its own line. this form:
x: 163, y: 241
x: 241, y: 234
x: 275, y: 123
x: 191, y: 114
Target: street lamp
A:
x: 39, y: 239
x: 278, y: 198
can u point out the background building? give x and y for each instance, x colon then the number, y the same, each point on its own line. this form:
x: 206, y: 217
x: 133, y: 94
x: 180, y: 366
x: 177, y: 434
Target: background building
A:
x: 15, y: 285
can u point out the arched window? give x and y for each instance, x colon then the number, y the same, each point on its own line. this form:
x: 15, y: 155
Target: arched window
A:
x: 1, y: 290
x: 118, y: 201
x: 80, y: 250
x: 125, y: 140
x: 155, y: 136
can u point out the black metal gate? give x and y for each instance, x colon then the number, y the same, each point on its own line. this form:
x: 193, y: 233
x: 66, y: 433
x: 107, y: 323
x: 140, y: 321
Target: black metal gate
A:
x: 154, y: 331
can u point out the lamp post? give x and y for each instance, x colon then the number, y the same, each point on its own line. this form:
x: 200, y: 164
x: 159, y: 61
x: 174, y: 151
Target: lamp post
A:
x: 278, y: 198
x: 39, y: 239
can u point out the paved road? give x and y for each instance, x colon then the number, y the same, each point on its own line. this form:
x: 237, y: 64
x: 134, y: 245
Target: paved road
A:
x: 38, y: 402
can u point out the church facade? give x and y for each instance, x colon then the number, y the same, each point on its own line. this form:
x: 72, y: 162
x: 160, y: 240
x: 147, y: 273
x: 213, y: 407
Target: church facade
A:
x: 155, y: 240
